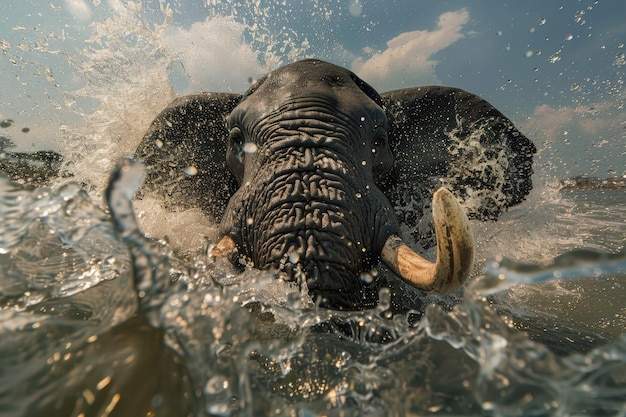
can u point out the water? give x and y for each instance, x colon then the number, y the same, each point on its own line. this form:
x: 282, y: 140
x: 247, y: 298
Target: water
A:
x: 78, y: 337
x: 98, y: 319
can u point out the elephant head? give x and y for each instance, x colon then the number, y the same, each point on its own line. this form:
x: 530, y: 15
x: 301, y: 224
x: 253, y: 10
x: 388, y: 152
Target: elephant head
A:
x: 299, y: 171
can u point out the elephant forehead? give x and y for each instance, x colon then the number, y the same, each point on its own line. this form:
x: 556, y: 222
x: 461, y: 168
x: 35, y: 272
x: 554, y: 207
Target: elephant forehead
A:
x: 309, y: 73
x: 307, y: 83
x: 316, y: 92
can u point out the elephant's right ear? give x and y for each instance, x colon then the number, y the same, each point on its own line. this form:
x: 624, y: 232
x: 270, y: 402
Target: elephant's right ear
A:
x: 448, y: 137
x: 184, y: 151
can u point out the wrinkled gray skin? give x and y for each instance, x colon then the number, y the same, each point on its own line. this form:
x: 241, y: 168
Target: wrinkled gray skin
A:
x: 307, y: 148
x: 308, y: 200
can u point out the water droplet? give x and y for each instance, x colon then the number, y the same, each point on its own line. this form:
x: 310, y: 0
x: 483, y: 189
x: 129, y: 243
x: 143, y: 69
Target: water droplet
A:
x: 249, y: 221
x: 366, y: 277
x: 157, y: 401
x: 358, y: 195
x: 103, y: 383
x: 89, y: 396
x: 578, y: 17
x: 294, y: 257
x: 554, y: 57
x: 191, y: 171
x: 528, y: 53
x: 355, y: 8
x: 499, y: 33
x: 384, y: 300
x: 217, y: 397
x: 543, y: 21
x: 249, y: 147
x: 216, y: 385
x: 569, y: 37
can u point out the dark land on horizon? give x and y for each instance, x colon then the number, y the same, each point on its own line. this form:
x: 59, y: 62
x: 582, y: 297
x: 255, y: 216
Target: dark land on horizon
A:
x: 585, y: 182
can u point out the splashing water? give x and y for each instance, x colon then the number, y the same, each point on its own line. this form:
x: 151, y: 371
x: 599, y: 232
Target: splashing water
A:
x: 244, y: 344
x: 134, y: 61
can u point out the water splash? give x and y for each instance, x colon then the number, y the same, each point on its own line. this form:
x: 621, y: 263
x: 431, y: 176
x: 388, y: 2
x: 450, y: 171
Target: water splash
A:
x: 138, y: 57
x: 53, y: 243
x: 518, y: 376
x: 125, y: 71
x: 514, y: 376
x: 251, y: 343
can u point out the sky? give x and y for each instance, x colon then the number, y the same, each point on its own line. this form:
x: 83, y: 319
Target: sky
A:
x: 555, y: 68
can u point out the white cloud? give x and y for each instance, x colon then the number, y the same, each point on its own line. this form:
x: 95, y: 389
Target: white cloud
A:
x: 407, y: 61
x: 597, y: 120
x: 79, y: 9
x: 215, y: 55
x: 576, y: 139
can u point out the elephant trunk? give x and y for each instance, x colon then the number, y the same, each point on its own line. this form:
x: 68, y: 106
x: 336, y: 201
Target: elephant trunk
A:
x: 310, y: 214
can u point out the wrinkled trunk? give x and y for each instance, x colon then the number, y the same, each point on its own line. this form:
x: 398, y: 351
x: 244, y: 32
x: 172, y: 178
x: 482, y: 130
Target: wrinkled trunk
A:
x: 312, y: 214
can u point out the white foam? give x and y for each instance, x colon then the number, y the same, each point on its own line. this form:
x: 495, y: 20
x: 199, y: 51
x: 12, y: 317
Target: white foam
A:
x: 186, y: 231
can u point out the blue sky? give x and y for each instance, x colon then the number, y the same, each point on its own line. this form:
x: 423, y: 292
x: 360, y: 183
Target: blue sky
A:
x: 107, y: 66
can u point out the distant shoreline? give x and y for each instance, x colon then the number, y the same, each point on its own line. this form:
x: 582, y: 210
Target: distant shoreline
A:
x: 584, y: 182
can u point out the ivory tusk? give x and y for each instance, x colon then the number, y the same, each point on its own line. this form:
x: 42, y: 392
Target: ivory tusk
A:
x: 455, y: 250
x: 225, y: 248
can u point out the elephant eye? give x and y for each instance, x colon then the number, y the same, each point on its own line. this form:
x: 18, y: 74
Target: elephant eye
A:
x: 235, y: 138
x: 380, y: 139
x: 235, y: 145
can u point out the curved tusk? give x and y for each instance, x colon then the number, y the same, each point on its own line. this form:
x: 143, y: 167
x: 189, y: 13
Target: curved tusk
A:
x: 455, y: 250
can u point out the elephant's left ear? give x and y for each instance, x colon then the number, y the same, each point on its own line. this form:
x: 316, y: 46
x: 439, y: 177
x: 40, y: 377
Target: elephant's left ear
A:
x: 446, y: 136
x: 185, y: 154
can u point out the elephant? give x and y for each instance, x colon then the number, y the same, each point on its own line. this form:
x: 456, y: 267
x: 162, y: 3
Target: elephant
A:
x: 314, y: 175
